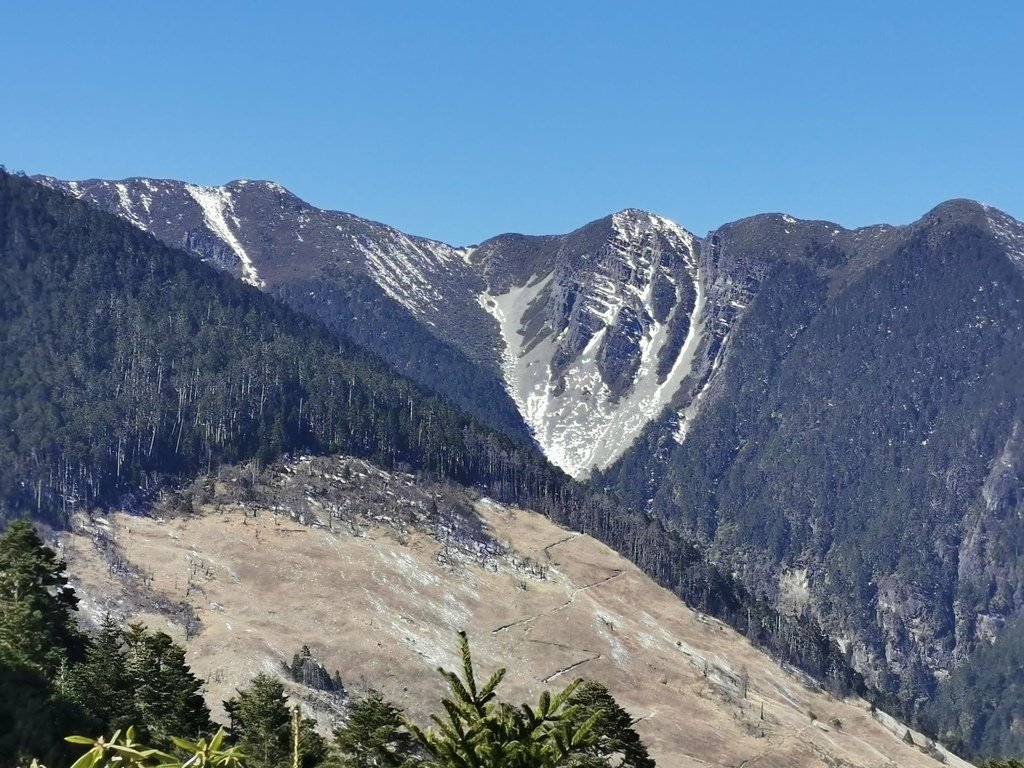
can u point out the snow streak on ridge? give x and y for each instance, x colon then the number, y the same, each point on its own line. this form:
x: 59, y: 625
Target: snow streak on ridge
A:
x: 577, y: 421
x: 408, y: 269
x: 1009, y: 232
x: 217, y: 205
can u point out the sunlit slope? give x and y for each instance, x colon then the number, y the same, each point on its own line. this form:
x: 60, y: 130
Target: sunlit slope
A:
x: 376, y: 573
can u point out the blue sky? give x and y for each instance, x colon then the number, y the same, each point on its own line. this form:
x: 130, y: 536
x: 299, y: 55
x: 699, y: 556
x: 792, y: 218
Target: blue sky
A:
x: 462, y: 120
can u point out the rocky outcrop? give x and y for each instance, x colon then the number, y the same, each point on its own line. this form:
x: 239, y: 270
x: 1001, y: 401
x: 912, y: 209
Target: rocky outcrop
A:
x: 577, y: 341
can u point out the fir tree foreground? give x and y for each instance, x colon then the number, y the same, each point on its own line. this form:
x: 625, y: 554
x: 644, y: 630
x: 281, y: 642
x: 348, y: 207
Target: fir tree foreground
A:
x: 579, y: 727
x: 478, y: 731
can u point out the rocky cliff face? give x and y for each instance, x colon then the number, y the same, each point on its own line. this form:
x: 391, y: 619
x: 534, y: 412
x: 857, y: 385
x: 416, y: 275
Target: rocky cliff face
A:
x: 599, y: 327
x: 577, y: 341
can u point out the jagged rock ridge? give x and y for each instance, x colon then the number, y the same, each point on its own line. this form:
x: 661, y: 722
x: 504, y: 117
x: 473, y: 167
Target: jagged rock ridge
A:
x: 586, y: 337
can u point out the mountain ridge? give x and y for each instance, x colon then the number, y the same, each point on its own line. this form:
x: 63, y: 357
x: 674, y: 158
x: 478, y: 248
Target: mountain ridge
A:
x: 449, y: 292
x: 837, y: 396
x: 259, y: 232
x: 954, y: 205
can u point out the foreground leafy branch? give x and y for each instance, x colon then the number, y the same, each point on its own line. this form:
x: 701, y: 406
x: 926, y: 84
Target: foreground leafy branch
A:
x: 123, y: 751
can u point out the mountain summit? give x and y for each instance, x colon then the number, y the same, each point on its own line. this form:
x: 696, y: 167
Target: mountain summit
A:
x: 577, y: 340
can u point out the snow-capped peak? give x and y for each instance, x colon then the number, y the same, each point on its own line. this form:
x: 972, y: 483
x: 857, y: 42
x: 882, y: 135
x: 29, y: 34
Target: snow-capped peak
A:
x: 631, y: 223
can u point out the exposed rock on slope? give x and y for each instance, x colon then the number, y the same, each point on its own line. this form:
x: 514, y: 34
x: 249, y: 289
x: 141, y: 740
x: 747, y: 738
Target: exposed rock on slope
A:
x: 863, y: 430
x: 376, y: 573
x: 580, y: 339
x: 600, y: 329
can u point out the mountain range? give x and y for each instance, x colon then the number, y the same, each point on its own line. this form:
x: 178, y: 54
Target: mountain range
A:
x: 835, y: 415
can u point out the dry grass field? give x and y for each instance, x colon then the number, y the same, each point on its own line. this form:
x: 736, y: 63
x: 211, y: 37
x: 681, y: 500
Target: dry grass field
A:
x: 380, y: 600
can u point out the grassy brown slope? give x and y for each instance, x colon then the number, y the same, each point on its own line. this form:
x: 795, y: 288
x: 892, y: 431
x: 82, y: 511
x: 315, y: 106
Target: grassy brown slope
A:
x: 389, y: 570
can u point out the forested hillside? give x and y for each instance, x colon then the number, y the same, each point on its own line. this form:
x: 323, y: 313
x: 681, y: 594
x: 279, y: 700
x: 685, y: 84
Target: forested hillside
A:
x: 859, y: 456
x: 129, y: 364
x: 388, y: 292
x: 980, y: 702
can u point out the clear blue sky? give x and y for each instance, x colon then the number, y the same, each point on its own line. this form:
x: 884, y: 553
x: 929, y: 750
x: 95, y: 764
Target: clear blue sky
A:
x: 462, y: 120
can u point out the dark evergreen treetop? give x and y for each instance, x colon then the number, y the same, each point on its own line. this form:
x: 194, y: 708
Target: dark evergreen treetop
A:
x: 102, y: 685
x: 261, y: 725
x: 168, y: 695
x: 615, y: 735
x: 39, y: 638
x: 38, y: 628
x: 374, y: 735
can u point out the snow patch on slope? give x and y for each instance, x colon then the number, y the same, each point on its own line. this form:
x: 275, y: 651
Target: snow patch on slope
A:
x: 128, y: 207
x: 217, y: 205
x: 524, y: 374
x: 407, y: 269
x: 576, y: 420
x: 686, y: 415
x: 631, y: 224
x: 415, y: 272
x: 1009, y: 232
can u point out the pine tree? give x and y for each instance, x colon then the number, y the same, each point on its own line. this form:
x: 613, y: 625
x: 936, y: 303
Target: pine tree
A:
x: 613, y: 728
x: 261, y: 724
x: 374, y: 736
x: 313, y: 749
x: 168, y: 696
x: 102, y: 685
x: 38, y: 629
x: 479, y: 731
x: 38, y: 638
